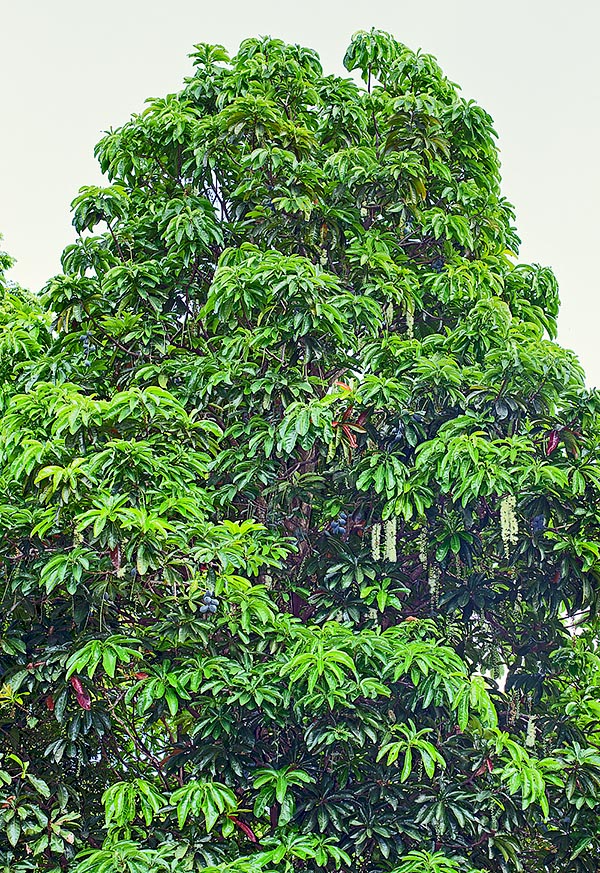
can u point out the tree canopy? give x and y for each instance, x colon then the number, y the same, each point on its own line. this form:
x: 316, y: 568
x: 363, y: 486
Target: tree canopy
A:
x: 299, y: 499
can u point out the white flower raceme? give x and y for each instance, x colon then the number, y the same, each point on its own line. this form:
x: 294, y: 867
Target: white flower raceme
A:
x: 389, y: 551
x: 433, y: 580
x: 509, y: 525
x: 422, y: 543
x: 458, y: 568
x: 376, y: 541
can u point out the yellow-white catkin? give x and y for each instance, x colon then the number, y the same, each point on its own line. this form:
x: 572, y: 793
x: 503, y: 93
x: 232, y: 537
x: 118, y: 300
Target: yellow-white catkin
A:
x: 531, y: 732
x: 458, y: 569
x: 389, y: 313
x: 376, y: 541
x: 422, y: 543
x: 410, y: 323
x: 433, y: 579
x: 391, y: 528
x: 509, y: 525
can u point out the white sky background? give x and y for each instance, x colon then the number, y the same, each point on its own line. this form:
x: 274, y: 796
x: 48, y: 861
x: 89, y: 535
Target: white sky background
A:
x: 70, y: 69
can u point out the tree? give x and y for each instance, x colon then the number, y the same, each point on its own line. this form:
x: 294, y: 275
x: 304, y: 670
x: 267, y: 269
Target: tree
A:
x: 300, y: 500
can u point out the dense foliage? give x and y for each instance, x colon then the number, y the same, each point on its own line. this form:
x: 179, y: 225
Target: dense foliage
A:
x: 299, y: 500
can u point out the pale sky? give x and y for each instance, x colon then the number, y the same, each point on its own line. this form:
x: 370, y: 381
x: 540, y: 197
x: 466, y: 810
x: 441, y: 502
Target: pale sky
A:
x: 69, y: 69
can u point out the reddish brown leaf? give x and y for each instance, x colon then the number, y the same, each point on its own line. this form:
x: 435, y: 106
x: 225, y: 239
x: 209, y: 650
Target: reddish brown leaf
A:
x: 115, y: 556
x: 351, y: 438
x: 246, y: 829
x: 76, y: 684
x: 485, y: 767
x: 552, y: 442
x: 83, y: 698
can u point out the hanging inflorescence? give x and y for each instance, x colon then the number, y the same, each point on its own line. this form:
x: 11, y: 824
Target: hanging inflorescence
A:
x: 514, y: 707
x: 433, y: 580
x: 383, y: 548
x: 531, y: 732
x: 389, y: 548
x: 389, y: 314
x: 422, y: 544
x: 509, y: 525
x: 458, y: 568
x: 494, y: 816
x: 496, y: 661
x: 376, y: 541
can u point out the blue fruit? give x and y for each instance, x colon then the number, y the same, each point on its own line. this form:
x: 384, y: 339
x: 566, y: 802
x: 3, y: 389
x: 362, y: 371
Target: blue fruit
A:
x: 538, y: 523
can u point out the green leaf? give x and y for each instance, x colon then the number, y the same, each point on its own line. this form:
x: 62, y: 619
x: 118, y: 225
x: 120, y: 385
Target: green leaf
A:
x: 40, y: 786
x: 13, y: 831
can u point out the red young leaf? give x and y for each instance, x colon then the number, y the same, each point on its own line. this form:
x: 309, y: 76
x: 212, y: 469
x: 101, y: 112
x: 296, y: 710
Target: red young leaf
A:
x: 553, y: 441
x: 351, y: 438
x: 83, y: 698
x: 115, y: 557
x: 245, y: 829
x: 76, y: 684
x: 486, y: 767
